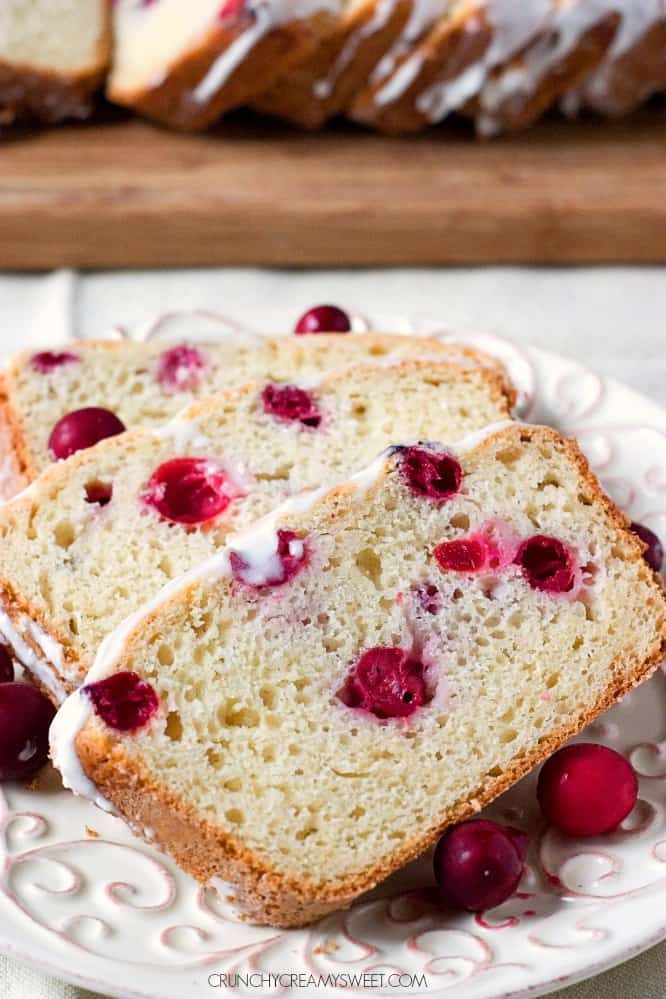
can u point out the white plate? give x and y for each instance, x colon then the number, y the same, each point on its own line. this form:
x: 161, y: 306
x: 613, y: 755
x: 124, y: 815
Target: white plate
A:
x: 109, y: 912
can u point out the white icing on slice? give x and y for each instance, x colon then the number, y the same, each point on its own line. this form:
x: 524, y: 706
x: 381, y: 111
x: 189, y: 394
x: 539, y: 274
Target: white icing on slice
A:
x: 27, y: 656
x: 513, y: 25
x: 383, y: 10
x: 268, y: 14
x: 563, y: 32
x: 423, y: 15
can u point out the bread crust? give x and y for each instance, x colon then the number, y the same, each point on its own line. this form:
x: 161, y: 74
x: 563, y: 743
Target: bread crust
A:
x: 457, y: 44
x: 14, y: 478
x: 50, y: 97
x: 632, y: 78
x: 171, y: 101
x: 271, y: 897
x: 294, y: 96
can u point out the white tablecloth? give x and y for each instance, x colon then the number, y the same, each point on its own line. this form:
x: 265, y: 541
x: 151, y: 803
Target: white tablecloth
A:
x: 613, y: 320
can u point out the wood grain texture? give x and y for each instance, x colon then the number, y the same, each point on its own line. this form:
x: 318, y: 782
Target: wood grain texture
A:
x: 127, y: 194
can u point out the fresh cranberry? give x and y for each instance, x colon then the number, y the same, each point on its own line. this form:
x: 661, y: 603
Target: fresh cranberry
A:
x: 587, y: 789
x: 387, y: 682
x: 547, y: 564
x: 123, y: 701
x: 323, y: 319
x: 654, y: 550
x: 25, y: 716
x: 99, y: 493
x: 289, y: 558
x: 464, y: 555
x: 291, y: 404
x: 6, y: 665
x: 231, y: 7
x: 48, y: 360
x: 82, y: 428
x: 180, y: 369
x: 429, y: 598
x: 189, y: 490
x: 434, y: 475
x: 479, y: 864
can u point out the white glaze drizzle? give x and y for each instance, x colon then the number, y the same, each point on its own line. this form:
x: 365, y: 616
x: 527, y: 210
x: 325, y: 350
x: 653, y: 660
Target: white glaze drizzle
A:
x: 638, y: 17
x: 563, y: 31
x: 382, y: 12
x: 268, y: 14
x: 513, y: 25
x: 423, y: 15
x: 27, y: 656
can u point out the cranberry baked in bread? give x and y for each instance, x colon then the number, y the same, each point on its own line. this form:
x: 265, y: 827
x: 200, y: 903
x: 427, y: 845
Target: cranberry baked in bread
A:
x: 53, y: 57
x: 309, y: 709
x: 54, y: 402
x: 185, y: 64
x: 97, y: 535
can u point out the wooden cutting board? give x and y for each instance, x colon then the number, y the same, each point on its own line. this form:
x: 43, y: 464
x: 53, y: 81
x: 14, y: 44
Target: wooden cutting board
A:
x: 126, y: 194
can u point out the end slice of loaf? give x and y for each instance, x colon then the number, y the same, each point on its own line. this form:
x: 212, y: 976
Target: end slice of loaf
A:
x: 261, y: 767
x: 146, y: 384
x: 185, y: 64
x: 86, y: 543
x: 53, y: 57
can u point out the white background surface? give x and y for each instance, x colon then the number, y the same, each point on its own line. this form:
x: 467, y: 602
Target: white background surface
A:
x: 612, y: 320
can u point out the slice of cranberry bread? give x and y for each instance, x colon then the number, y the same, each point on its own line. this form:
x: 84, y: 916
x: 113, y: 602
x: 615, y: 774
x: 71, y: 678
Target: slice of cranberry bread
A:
x: 53, y: 57
x: 148, y: 383
x: 98, y: 534
x: 308, y: 710
x: 185, y: 64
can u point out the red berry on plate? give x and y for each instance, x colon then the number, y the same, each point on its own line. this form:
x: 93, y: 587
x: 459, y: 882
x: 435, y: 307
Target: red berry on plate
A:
x: 654, y: 550
x: 289, y: 558
x: 435, y: 475
x: 6, y: 665
x: 82, y: 428
x: 123, y: 701
x: 189, y: 490
x: 387, y: 682
x: 479, y: 864
x: 48, y: 360
x: 463, y: 555
x: 291, y: 405
x: 323, y: 319
x: 181, y: 368
x: 587, y: 789
x: 547, y: 564
x: 25, y: 717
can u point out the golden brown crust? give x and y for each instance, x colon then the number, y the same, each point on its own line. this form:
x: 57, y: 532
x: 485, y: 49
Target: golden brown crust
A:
x: 13, y: 478
x: 28, y: 93
x: 457, y: 44
x: 272, y: 897
x: 172, y: 101
x: 295, y: 96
